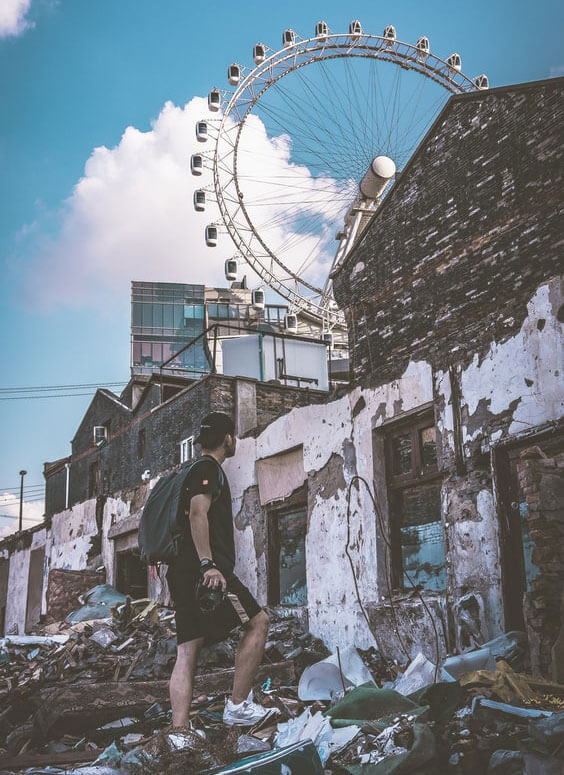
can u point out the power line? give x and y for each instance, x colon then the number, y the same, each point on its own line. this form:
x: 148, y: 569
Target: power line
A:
x: 51, y: 395
x: 60, y: 387
x: 25, y: 519
x: 26, y: 487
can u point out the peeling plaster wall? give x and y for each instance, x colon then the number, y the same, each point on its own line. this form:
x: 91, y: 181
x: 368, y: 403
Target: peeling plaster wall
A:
x: 337, y: 445
x: 71, y: 537
x: 18, y: 574
x: 518, y: 383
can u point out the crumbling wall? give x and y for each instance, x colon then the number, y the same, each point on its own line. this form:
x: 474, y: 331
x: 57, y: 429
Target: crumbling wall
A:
x: 541, y: 479
x: 19, y: 554
x: 468, y: 231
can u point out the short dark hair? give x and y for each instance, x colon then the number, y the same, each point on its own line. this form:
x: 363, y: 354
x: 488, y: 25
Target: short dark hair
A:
x: 213, y: 429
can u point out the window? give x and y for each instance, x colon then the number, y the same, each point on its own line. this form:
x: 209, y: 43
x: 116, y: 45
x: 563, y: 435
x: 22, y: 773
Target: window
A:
x: 141, y: 444
x: 100, y: 434
x: 93, y: 479
x: 187, y: 449
x: 414, y: 489
x: 287, y: 561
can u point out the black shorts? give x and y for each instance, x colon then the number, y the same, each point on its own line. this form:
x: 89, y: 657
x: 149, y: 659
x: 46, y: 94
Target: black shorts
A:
x: 238, y: 607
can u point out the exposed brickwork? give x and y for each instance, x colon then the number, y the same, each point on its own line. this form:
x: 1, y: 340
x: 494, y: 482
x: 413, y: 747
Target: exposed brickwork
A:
x: 64, y: 587
x: 471, y: 227
x: 542, y: 482
x: 124, y: 458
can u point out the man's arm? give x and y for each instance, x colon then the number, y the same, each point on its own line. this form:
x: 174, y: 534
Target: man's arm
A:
x: 199, y: 527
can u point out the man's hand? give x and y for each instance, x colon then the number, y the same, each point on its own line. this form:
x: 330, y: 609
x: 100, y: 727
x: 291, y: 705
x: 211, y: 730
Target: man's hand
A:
x: 214, y: 579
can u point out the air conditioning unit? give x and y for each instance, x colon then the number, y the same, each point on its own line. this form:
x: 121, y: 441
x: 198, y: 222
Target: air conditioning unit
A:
x: 100, y: 435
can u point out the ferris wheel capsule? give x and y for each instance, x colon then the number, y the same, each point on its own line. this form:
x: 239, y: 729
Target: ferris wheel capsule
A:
x: 200, y: 200
x: 390, y: 34
x: 201, y: 131
x: 291, y: 323
x: 328, y: 338
x: 423, y: 46
x: 257, y: 298
x: 211, y: 235
x: 259, y: 53
x: 231, y: 267
x: 321, y: 30
x: 482, y: 82
x: 196, y: 164
x: 355, y: 29
x: 234, y: 74
x: 288, y: 38
x: 454, y: 62
x: 214, y: 100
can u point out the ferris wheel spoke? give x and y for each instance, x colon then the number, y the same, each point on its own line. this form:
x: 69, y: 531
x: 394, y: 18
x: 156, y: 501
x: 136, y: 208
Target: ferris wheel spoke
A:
x: 298, y: 135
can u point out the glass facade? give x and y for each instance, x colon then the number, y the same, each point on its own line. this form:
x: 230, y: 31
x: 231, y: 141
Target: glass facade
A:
x: 164, y: 318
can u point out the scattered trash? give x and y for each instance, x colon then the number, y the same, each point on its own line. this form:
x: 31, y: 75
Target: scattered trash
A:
x: 91, y: 698
x: 333, y: 675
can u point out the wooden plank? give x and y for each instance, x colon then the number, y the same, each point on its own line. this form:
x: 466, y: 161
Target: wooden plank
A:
x: 23, y: 761
x: 83, y: 706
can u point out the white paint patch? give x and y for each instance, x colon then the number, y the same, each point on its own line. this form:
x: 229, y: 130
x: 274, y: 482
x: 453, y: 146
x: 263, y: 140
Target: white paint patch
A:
x: 533, y: 354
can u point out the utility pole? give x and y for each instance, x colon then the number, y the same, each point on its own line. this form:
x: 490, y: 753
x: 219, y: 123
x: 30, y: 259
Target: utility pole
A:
x: 22, y: 474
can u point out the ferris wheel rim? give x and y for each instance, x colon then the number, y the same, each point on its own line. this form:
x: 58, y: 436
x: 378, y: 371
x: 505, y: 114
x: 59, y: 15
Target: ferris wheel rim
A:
x: 333, y: 46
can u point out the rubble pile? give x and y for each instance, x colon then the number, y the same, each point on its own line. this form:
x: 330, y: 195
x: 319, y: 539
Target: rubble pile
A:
x: 90, y: 696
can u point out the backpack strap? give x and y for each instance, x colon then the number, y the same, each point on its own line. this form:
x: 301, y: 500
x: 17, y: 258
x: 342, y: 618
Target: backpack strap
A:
x: 221, y: 474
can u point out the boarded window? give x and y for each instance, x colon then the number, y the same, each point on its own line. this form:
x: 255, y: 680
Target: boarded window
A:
x: 287, y: 582
x: 414, y: 484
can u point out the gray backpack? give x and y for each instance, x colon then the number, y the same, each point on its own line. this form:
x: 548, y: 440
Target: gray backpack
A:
x: 163, y: 523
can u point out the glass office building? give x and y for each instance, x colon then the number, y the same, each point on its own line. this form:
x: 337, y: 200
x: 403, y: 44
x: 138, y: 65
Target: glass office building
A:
x: 164, y: 318
x: 167, y: 316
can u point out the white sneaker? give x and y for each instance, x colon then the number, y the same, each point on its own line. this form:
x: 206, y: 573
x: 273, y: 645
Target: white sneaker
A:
x: 246, y: 713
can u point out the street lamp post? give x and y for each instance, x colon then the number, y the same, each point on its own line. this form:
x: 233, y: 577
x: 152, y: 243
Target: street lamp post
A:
x: 22, y: 474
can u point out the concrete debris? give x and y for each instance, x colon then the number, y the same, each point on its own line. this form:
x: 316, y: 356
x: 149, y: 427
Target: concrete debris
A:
x: 92, y: 699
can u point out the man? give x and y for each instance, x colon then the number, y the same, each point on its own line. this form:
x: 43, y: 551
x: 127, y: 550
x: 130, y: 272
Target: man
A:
x: 208, y: 553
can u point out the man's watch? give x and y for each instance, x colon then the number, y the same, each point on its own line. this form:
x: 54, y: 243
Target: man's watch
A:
x: 206, y: 564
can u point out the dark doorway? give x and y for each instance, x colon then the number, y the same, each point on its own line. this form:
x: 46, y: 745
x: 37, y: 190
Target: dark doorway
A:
x: 34, y: 587
x: 516, y: 545
x: 4, y: 565
x: 131, y: 574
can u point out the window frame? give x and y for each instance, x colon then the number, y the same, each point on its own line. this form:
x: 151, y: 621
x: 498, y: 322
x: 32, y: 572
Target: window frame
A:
x: 189, y: 440
x: 297, y: 501
x: 398, y: 483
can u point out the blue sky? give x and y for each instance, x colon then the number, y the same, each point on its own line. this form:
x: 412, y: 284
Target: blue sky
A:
x: 74, y: 75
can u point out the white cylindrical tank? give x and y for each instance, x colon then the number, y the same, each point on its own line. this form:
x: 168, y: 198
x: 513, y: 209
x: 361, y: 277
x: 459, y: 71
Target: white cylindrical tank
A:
x: 380, y: 172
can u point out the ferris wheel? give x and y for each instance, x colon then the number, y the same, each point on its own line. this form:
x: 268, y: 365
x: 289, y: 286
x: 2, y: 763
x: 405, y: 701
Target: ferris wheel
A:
x: 304, y: 146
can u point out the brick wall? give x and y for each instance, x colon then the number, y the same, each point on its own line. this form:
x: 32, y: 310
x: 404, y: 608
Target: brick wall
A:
x: 122, y: 460
x: 542, y: 482
x: 470, y: 229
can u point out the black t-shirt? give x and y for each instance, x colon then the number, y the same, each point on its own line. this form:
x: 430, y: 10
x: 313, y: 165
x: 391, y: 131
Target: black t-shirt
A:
x: 207, y: 477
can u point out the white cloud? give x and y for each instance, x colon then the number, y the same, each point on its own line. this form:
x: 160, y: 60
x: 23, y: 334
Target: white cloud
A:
x: 131, y: 215
x: 32, y: 513
x: 12, y: 17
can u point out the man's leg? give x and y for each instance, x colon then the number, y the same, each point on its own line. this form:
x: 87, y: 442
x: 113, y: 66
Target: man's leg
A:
x: 182, y: 681
x: 249, y: 656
